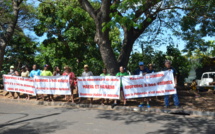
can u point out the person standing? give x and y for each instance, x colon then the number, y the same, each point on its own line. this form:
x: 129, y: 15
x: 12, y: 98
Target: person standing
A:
x: 87, y: 73
x: 120, y: 74
x: 168, y: 66
x: 141, y: 70
x: 35, y: 72
x: 13, y: 72
x: 57, y: 71
x: 71, y: 75
x: 46, y: 72
x: 150, y: 68
x: 147, y: 99
x: 105, y: 73
x: 25, y: 73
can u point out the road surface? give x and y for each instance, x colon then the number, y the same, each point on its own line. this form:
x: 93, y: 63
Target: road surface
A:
x: 18, y: 118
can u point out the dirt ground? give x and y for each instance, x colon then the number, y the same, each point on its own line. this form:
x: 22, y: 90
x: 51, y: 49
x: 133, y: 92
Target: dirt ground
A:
x: 189, y: 100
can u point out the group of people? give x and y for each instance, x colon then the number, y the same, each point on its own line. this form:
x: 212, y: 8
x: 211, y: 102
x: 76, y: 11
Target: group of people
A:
x: 142, y: 70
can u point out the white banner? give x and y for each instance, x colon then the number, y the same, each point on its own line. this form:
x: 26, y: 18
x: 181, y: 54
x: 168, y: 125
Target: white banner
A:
x: 153, y: 84
x: 56, y: 85
x: 99, y: 87
x: 19, y: 84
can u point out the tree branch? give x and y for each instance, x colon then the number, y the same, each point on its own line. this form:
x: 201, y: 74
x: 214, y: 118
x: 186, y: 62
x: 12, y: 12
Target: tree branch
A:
x: 88, y: 7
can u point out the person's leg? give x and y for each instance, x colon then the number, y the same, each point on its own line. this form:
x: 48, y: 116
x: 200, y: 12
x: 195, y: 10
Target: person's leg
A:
x: 72, y: 96
x: 13, y: 94
x: 147, y: 102
x: 43, y: 97
x: 102, y: 102
x: 52, y: 97
x: 27, y: 97
x: 37, y: 97
x: 166, y: 100
x: 18, y: 95
x: 141, y: 102
x: 91, y: 100
x: 175, y: 99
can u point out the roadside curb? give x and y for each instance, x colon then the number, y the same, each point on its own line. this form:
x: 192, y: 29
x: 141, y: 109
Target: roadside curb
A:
x: 108, y: 107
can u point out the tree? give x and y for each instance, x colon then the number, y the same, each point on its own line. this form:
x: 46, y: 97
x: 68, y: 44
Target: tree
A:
x: 14, y: 15
x: 20, y: 51
x: 198, y: 24
x: 134, y: 17
x: 70, y: 31
x: 9, y: 17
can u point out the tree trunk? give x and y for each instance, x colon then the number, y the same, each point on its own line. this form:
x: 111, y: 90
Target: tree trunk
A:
x: 6, y: 37
x: 107, y: 54
x: 2, y: 52
x: 129, y: 39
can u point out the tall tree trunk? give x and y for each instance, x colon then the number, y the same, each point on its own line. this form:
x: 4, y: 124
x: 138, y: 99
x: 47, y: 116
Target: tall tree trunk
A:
x: 107, y: 54
x: 6, y: 37
x: 2, y: 52
x: 100, y: 17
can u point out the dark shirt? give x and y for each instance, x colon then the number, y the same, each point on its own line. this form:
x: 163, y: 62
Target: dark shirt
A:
x: 175, y: 73
x: 151, y: 71
x: 138, y: 71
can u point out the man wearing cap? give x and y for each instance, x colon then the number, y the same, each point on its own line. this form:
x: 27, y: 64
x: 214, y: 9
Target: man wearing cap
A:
x: 175, y: 96
x: 87, y: 73
x: 141, y: 70
x: 14, y: 73
x: 46, y: 72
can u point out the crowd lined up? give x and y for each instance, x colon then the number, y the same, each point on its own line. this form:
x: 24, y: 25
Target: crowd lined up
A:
x: 142, y: 70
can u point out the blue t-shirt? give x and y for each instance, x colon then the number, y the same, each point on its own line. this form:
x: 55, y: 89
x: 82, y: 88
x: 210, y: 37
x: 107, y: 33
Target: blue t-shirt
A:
x: 35, y: 72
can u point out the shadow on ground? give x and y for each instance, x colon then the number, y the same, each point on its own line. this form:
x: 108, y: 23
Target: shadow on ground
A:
x: 171, y: 124
x: 23, y: 126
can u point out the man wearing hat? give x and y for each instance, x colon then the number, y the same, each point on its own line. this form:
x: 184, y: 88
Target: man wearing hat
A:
x: 46, y: 72
x: 86, y: 71
x: 14, y: 73
x: 141, y: 70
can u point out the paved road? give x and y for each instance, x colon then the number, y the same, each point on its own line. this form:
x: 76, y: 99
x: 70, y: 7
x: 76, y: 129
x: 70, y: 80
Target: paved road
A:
x: 31, y: 119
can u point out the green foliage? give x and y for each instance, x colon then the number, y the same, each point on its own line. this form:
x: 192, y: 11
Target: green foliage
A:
x: 70, y: 32
x: 157, y: 58
x: 20, y: 51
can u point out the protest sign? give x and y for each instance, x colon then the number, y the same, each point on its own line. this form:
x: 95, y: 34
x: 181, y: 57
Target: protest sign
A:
x: 56, y: 85
x: 99, y: 87
x: 19, y: 84
x: 153, y: 84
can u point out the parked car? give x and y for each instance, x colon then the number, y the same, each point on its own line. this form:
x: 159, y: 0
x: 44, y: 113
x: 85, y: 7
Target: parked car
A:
x: 205, y: 81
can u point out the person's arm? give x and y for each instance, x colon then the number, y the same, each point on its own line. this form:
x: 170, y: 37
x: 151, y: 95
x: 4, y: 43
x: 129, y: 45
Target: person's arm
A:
x: 30, y: 75
x: 91, y: 73
x: 50, y: 73
x: 16, y: 73
x: 54, y: 73
x: 176, y: 80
